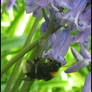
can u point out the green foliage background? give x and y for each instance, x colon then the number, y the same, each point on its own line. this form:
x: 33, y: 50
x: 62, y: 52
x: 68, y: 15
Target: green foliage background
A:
x: 15, y: 27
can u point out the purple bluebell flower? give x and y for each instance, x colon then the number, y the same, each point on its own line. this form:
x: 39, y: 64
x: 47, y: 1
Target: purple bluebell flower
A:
x: 82, y: 61
x: 84, y: 52
x: 84, y: 20
x: 59, y: 47
x: 52, y: 38
x: 76, y: 55
x: 30, y: 6
x: 36, y: 13
x: 33, y: 6
x: 63, y: 3
x: 72, y: 15
x: 70, y: 4
x: 42, y: 3
x: 78, y: 16
x: 82, y: 38
x: 87, y: 85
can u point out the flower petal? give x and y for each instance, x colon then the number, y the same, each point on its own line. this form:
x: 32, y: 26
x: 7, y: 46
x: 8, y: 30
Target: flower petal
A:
x: 72, y: 15
x: 76, y: 54
x: 78, y: 66
x: 59, y: 47
x: 85, y: 52
x: 42, y: 3
x: 82, y: 37
x: 30, y: 6
x: 87, y: 85
x: 37, y: 13
x: 84, y: 20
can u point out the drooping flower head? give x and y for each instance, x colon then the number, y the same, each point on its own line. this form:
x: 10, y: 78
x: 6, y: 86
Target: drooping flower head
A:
x: 77, y: 16
x: 33, y: 6
x: 83, y: 60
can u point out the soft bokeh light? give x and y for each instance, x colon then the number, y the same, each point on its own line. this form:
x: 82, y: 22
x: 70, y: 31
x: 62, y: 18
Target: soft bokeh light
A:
x: 8, y: 57
x: 69, y: 86
x: 22, y: 24
x: 64, y: 76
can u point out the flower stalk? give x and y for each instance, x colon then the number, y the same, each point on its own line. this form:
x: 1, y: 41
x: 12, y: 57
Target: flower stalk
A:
x: 16, y: 67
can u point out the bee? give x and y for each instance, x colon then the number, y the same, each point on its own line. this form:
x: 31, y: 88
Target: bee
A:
x: 42, y: 70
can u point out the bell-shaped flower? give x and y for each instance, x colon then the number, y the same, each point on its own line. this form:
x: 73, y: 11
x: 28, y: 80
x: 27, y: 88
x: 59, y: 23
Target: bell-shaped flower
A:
x: 61, y: 43
x: 82, y: 38
x: 72, y: 15
x: 84, y: 20
x: 37, y: 13
x: 33, y: 6
x: 70, y: 4
x: 42, y: 3
x: 82, y: 61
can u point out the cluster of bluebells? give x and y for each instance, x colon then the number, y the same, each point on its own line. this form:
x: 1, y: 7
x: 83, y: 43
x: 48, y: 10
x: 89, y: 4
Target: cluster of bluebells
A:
x: 77, y: 16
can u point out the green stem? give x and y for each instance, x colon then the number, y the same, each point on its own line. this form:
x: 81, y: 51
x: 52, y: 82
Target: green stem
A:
x: 51, y: 29
x: 18, y: 56
x: 28, y: 40
x: 21, y: 76
x: 26, y: 86
x: 12, y: 77
x: 23, y: 51
x: 4, y: 6
x: 18, y: 82
x: 36, y: 52
x: 47, y: 34
x: 16, y: 68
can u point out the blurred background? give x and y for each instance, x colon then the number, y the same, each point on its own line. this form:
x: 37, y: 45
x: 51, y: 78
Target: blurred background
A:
x: 15, y: 27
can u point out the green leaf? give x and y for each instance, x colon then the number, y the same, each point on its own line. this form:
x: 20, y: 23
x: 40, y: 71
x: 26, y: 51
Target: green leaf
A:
x: 10, y: 43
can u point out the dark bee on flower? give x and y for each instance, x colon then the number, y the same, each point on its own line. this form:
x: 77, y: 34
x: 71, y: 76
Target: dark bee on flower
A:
x: 41, y: 70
